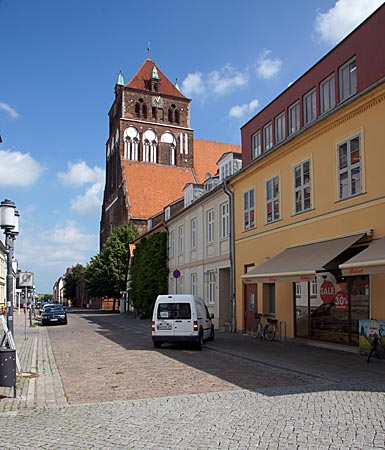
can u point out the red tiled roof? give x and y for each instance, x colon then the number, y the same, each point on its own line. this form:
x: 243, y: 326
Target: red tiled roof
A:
x: 206, y: 156
x: 151, y: 187
x: 144, y: 74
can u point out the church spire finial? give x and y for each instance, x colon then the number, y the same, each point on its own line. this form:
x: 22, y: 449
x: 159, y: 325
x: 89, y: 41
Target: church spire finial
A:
x: 148, y: 50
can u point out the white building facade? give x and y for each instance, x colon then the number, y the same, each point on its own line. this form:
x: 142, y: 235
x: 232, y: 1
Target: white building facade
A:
x: 199, y: 245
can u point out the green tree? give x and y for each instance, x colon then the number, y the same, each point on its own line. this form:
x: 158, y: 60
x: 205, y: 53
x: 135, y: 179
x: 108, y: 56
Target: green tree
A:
x: 70, y: 280
x: 149, y: 272
x: 106, y: 272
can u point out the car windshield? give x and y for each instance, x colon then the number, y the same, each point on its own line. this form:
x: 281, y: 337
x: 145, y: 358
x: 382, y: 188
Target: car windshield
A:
x: 51, y: 308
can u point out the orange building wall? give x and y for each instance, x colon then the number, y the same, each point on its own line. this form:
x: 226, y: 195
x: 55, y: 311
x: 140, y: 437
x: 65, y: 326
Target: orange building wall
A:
x: 329, y: 217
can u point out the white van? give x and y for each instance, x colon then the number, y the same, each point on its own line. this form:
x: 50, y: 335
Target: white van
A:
x: 181, y: 318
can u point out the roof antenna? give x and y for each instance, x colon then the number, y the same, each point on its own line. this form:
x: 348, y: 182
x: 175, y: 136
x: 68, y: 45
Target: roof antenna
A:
x: 148, y: 50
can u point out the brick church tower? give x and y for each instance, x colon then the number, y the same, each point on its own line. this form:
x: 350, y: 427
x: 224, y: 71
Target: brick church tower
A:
x: 151, y: 153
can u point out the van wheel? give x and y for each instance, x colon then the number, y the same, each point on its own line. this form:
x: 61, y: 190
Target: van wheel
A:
x: 157, y: 344
x: 199, y: 344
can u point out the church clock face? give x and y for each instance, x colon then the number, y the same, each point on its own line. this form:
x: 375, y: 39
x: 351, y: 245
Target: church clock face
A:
x: 157, y: 101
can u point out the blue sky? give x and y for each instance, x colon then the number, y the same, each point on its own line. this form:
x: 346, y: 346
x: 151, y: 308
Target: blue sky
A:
x: 59, y: 62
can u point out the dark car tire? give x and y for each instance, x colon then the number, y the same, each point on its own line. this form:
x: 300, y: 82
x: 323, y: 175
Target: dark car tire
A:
x: 157, y: 344
x: 65, y: 322
x: 199, y: 344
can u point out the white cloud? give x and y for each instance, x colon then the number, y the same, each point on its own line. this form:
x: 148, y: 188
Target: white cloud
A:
x: 9, y: 110
x: 266, y: 66
x: 240, y: 111
x: 339, y: 21
x: 90, y: 202
x: 80, y: 173
x: 193, y: 84
x: 47, y: 253
x: 226, y: 80
x: 220, y: 82
x: 18, y: 169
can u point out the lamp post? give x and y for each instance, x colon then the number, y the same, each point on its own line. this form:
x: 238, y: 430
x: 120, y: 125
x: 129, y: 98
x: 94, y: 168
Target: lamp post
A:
x: 9, y: 222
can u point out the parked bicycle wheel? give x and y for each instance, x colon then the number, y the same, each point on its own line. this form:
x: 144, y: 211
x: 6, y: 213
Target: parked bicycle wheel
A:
x: 270, y: 332
x: 257, y: 331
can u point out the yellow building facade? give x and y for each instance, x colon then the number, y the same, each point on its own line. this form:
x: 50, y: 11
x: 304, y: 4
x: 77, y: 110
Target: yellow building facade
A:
x: 304, y: 212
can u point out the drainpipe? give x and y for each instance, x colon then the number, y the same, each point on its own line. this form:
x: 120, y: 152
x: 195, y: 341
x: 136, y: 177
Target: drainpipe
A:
x: 230, y: 194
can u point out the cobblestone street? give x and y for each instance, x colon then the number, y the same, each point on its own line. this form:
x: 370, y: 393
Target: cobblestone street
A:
x: 107, y: 388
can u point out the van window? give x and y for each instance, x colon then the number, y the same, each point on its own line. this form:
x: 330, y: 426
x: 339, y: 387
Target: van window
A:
x: 174, y: 311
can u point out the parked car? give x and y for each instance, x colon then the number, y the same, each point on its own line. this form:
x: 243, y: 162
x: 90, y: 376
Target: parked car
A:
x: 53, y: 313
x: 181, y: 318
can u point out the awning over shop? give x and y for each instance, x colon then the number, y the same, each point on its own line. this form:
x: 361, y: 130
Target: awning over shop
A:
x: 369, y: 261
x: 301, y: 262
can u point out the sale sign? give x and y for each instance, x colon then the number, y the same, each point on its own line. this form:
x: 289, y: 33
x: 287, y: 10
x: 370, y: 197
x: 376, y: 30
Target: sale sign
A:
x: 341, y: 301
x: 327, y: 291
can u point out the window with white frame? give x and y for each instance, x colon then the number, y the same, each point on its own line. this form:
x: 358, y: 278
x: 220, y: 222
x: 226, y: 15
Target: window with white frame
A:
x: 349, y: 167
x: 302, y: 187
x: 309, y: 107
x: 167, y: 213
x: 193, y: 231
x: 256, y: 142
x: 294, y: 118
x: 268, y: 136
x: 272, y: 200
x: 194, y: 284
x: 298, y: 289
x: 327, y: 94
x: 348, y: 79
x: 180, y: 239
x: 280, y: 128
x: 224, y: 211
x: 210, y: 286
x: 313, y: 288
x: 210, y: 226
x: 172, y: 243
x: 248, y: 209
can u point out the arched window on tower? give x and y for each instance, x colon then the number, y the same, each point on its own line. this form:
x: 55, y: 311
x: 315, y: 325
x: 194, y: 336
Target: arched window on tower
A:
x: 150, y: 146
x: 144, y: 111
x: 169, y: 139
x: 170, y: 115
x: 131, y: 143
x: 137, y: 109
x: 177, y: 116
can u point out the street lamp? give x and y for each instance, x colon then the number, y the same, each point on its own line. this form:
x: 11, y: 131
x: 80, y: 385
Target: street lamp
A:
x: 9, y: 222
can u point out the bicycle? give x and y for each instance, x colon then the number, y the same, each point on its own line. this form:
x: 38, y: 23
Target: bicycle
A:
x: 268, y: 331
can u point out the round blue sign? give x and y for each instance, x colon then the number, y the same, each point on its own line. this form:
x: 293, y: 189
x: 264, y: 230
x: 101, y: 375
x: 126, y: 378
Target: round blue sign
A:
x: 176, y: 273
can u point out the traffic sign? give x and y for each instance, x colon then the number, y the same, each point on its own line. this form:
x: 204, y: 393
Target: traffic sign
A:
x: 25, y: 279
x: 176, y: 273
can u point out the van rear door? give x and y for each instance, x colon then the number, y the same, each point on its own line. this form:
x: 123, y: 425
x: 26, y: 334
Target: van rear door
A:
x: 183, y: 321
x: 164, y: 322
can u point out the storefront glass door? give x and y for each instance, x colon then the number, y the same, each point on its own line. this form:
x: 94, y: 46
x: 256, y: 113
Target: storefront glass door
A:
x: 329, y: 311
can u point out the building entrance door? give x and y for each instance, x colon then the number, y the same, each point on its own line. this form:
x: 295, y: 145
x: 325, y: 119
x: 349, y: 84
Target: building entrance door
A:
x: 250, y: 306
